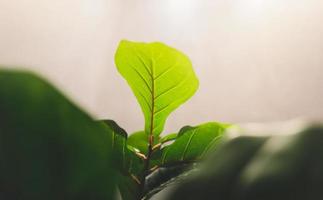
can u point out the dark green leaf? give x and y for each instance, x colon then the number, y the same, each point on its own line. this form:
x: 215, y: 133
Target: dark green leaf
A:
x: 129, y: 177
x: 49, y: 148
x: 283, y: 166
x: 118, y: 143
x: 115, y: 128
x: 163, y: 177
x: 128, y: 164
x: 129, y: 189
x: 192, y: 143
x: 184, y: 130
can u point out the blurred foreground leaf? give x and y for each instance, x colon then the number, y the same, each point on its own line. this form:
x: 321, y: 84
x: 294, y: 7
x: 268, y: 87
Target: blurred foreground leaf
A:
x: 281, y: 167
x: 49, y: 148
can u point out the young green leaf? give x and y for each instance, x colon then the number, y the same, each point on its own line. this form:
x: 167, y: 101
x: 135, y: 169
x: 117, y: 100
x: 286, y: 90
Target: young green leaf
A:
x: 139, y: 140
x: 192, y: 143
x: 161, y: 77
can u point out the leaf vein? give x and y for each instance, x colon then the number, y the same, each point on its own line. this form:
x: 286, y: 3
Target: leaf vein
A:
x: 143, y: 79
x: 145, y: 65
x: 162, y: 109
x: 171, y: 88
x: 146, y: 101
x: 164, y: 156
x: 188, y: 143
x: 210, y: 144
x: 165, y: 71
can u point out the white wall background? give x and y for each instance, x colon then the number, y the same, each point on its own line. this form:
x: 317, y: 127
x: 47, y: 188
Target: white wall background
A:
x: 257, y: 60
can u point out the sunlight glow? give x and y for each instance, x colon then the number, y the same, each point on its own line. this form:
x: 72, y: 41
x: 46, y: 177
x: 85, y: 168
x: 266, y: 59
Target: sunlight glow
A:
x: 180, y: 11
x: 250, y: 9
x: 94, y: 8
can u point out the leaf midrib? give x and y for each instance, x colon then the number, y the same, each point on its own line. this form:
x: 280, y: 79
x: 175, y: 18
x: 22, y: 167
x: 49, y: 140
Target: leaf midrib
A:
x: 151, y: 73
x: 152, y: 99
x: 152, y: 90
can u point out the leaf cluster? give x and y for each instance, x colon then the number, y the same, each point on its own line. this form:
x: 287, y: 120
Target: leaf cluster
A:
x: 52, y: 149
x: 162, y: 78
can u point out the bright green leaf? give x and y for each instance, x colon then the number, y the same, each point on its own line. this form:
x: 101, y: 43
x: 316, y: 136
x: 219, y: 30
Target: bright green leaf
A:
x: 161, y: 77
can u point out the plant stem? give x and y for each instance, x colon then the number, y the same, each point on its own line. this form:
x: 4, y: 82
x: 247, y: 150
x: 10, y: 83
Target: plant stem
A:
x: 146, y: 166
x: 150, y: 136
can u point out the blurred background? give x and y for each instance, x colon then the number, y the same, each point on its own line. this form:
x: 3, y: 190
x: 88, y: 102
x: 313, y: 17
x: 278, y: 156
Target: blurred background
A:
x: 257, y: 60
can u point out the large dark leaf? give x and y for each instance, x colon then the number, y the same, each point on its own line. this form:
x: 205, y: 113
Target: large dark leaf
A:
x: 280, y: 167
x: 49, y: 148
x: 165, y: 177
x: 128, y: 165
